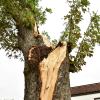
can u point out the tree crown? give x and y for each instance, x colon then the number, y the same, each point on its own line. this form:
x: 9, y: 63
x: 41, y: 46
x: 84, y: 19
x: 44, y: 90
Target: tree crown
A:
x: 26, y: 12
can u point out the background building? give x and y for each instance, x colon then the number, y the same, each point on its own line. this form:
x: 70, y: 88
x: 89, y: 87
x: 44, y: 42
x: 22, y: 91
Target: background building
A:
x: 86, y: 92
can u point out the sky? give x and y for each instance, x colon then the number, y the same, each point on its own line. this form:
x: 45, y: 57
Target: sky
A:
x: 11, y: 70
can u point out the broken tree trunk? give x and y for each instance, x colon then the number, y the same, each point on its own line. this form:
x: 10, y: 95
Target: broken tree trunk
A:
x: 49, y: 69
x: 43, y: 62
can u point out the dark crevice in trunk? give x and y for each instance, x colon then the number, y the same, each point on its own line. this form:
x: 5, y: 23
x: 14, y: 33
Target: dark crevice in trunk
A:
x: 32, y: 72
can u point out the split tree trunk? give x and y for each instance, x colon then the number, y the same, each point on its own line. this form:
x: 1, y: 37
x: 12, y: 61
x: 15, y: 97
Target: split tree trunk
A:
x: 48, y: 80
x: 49, y: 72
x: 45, y: 79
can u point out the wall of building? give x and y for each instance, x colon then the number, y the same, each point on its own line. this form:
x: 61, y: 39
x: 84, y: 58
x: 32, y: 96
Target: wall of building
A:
x: 87, y: 97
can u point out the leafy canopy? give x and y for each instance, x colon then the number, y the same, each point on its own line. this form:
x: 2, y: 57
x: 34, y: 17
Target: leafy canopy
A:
x: 73, y: 33
x: 14, y: 13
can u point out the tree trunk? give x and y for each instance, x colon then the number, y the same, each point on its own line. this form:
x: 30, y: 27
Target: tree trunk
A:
x: 57, y: 74
x: 41, y: 77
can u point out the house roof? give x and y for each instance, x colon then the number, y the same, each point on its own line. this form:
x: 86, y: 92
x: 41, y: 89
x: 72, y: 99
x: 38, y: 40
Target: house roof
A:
x: 85, y: 89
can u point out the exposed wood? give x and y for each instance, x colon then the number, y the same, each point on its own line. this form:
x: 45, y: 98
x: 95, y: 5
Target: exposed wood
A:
x: 49, y: 67
x: 49, y: 71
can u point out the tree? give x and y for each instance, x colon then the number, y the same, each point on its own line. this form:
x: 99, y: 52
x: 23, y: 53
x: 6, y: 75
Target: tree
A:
x: 47, y: 65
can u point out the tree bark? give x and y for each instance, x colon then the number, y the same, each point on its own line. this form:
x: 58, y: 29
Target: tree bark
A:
x: 26, y: 40
x: 48, y: 79
x: 32, y: 82
x: 62, y: 89
x: 32, y: 71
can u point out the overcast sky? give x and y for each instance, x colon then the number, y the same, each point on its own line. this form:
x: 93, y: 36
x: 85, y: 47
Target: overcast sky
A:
x: 11, y: 70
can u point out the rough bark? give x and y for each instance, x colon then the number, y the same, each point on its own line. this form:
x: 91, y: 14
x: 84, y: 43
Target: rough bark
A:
x: 62, y: 89
x: 32, y: 82
x: 34, y: 76
x: 42, y: 74
x: 26, y: 40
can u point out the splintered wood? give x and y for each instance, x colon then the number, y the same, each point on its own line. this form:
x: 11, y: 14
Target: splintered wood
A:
x: 49, y: 68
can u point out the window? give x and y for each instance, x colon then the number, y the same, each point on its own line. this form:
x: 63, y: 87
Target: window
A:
x: 97, y: 98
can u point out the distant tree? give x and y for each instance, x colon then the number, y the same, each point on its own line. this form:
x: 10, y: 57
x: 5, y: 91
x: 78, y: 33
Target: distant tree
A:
x: 47, y: 66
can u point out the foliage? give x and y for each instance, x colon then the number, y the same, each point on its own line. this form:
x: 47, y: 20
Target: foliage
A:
x: 15, y: 13
x: 25, y: 13
x: 54, y: 43
x: 73, y: 34
x: 46, y: 33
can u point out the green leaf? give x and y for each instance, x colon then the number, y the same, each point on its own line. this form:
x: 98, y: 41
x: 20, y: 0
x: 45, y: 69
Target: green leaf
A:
x: 48, y: 10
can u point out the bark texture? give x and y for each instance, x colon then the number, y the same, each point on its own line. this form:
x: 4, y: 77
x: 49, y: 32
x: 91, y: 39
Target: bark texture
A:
x: 26, y: 39
x: 51, y: 74
x: 62, y: 88
x: 46, y: 70
x: 32, y: 83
